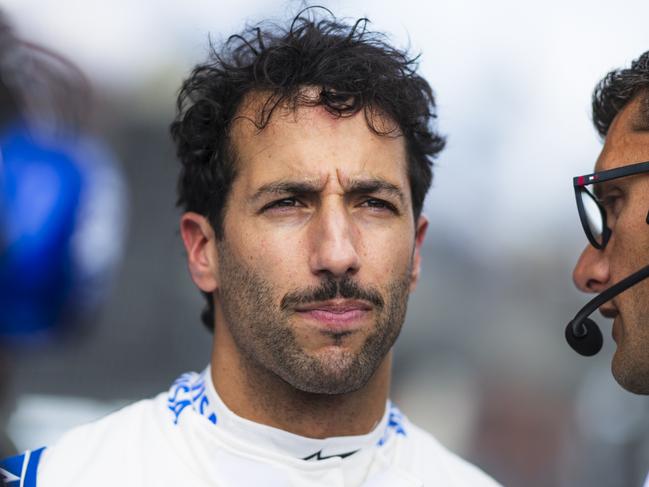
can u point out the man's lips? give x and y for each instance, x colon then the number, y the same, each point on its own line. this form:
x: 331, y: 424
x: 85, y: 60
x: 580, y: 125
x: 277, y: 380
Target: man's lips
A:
x: 335, y: 306
x: 336, y: 316
x: 608, y: 310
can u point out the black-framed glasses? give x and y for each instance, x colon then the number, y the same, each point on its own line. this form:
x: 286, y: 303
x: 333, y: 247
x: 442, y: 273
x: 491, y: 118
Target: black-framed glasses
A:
x: 591, y: 212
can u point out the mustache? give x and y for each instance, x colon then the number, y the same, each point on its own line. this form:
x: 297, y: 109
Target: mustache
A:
x: 331, y: 288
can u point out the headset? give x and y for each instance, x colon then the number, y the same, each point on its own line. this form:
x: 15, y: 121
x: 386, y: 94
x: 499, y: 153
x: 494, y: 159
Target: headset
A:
x: 582, y: 333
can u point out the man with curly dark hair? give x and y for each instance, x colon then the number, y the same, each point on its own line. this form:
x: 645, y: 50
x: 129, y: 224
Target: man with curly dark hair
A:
x: 306, y: 155
x: 614, y: 203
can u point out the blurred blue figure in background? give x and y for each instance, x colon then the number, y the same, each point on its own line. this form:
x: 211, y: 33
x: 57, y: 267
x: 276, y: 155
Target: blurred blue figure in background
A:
x: 62, y: 203
x: 53, y: 258
x: 40, y: 192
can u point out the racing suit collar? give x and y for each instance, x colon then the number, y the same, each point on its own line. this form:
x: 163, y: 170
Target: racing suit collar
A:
x: 198, y: 391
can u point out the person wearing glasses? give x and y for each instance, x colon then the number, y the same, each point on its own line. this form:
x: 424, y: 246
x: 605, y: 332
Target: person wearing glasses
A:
x: 613, y: 204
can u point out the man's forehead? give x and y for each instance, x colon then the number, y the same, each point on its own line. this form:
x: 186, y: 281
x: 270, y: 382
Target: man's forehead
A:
x: 627, y: 141
x: 312, y: 145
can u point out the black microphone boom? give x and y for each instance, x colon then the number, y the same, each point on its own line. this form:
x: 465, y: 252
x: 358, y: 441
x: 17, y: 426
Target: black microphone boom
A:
x: 582, y: 333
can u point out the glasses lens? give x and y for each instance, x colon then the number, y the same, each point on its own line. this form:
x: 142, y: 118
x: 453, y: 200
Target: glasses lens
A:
x: 593, y: 213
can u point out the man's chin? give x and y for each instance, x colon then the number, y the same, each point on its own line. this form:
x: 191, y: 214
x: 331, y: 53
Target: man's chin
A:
x: 330, y: 371
x: 630, y: 373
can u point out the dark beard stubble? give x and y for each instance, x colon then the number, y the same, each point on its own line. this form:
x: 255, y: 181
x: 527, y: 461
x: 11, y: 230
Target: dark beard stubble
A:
x: 630, y: 364
x: 261, y: 329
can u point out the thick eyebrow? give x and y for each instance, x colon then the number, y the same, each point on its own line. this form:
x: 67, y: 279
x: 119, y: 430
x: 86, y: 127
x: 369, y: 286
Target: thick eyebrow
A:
x: 640, y: 125
x: 640, y: 121
x: 368, y: 186
x: 287, y: 187
x: 359, y: 186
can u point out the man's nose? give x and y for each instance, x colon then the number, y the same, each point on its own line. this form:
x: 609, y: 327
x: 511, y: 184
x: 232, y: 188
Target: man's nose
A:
x: 334, y: 243
x: 592, y: 273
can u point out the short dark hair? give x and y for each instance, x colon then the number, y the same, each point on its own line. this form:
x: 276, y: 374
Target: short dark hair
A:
x: 352, y: 67
x: 617, y: 89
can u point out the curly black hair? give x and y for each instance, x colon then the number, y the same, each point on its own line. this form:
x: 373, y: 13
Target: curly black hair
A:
x: 353, y: 69
x: 617, y: 89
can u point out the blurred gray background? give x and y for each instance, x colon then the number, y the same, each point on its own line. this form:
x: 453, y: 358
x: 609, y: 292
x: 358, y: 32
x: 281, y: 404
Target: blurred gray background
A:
x: 482, y: 362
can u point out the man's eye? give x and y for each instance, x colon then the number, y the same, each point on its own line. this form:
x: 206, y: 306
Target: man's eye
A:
x: 283, y: 203
x: 612, y: 203
x: 379, y: 204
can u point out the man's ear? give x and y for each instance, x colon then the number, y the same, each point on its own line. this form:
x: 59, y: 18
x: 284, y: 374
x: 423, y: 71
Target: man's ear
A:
x: 200, y: 244
x: 420, y: 233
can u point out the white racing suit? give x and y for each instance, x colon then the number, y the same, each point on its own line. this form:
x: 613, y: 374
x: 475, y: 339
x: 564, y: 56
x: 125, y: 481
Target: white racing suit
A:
x: 188, y: 437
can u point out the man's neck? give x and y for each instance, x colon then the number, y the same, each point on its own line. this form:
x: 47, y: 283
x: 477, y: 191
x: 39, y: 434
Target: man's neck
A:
x: 259, y: 395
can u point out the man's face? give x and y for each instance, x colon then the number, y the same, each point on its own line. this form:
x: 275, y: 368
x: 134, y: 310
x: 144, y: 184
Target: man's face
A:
x: 320, y: 248
x: 627, y: 203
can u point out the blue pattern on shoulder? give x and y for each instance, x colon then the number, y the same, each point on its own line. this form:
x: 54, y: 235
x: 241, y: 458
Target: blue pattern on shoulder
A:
x: 190, y: 390
x: 20, y: 471
x: 395, y: 425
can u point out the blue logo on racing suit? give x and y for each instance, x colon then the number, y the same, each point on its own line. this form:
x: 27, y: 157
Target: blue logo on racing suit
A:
x: 395, y: 425
x: 20, y: 471
x: 190, y: 390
